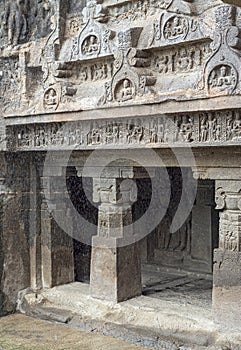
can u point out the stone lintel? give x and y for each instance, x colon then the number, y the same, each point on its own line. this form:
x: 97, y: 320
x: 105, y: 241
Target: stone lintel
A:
x: 125, y: 170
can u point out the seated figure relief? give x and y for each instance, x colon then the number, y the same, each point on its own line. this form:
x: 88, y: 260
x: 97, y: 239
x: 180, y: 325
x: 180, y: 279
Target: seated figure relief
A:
x: 222, y: 78
x: 90, y: 45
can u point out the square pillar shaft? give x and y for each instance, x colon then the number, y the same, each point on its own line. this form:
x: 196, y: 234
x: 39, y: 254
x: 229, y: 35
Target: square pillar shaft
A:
x: 115, y: 268
x: 115, y: 272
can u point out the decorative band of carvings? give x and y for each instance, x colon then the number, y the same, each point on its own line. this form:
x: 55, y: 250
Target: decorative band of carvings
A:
x: 197, y: 129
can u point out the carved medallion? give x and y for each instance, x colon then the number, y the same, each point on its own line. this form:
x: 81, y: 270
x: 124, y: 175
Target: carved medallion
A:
x: 176, y: 27
x: 124, y: 91
x: 51, y: 99
x: 223, y: 78
x: 90, y: 46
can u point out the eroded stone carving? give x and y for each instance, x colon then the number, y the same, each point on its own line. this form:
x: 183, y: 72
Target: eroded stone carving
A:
x: 184, y: 129
x: 15, y: 21
x: 129, y: 79
x: 181, y: 59
x: 176, y: 27
x: 229, y: 234
x: 51, y: 99
x: 134, y: 10
x: 174, y: 242
x: 230, y: 231
x: 222, y: 70
x: 161, y: 131
x: 93, y: 39
x: 9, y: 84
x: 223, y: 78
x: 128, y: 66
x: 220, y: 197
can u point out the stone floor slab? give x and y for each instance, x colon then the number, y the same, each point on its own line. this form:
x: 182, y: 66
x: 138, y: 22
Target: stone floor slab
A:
x: 19, y: 332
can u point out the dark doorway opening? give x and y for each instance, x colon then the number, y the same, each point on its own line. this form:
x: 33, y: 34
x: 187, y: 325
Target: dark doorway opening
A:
x: 79, y: 198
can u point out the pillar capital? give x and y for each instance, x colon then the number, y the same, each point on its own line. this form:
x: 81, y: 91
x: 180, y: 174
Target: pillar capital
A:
x: 228, y: 195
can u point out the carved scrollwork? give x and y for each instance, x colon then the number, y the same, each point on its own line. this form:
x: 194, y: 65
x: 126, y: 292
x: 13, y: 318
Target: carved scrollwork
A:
x: 220, y: 198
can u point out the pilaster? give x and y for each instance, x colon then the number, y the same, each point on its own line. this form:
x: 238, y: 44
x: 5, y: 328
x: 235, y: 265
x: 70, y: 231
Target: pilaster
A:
x: 227, y: 258
x: 56, y: 245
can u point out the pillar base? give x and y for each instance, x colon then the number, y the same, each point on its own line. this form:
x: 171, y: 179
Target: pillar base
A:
x: 115, y: 272
x: 227, y: 289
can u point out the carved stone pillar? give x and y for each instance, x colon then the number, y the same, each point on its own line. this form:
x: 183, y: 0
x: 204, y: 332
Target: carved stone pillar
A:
x: 56, y: 244
x: 115, y: 269
x: 227, y: 258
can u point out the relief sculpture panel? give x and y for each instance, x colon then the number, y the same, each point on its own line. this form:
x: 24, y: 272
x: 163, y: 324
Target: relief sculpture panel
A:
x: 105, y: 54
x: 197, y: 129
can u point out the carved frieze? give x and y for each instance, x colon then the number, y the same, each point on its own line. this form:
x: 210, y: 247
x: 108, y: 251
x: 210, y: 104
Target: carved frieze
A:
x: 197, y: 129
x: 137, y: 10
x: 179, y: 60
